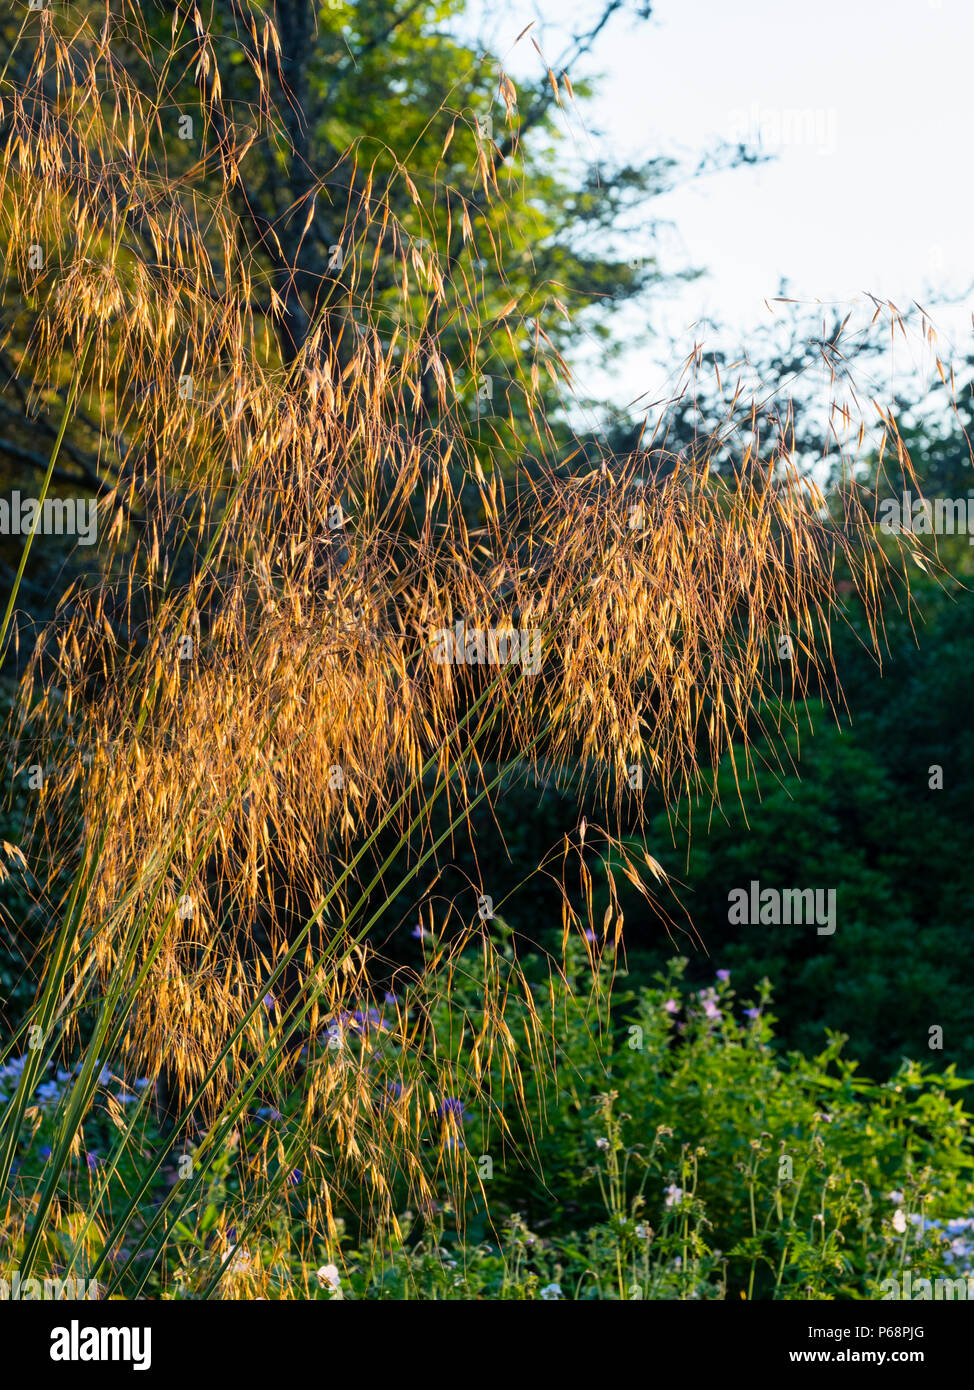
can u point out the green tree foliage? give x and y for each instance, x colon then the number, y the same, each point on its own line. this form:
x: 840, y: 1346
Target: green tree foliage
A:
x: 381, y: 139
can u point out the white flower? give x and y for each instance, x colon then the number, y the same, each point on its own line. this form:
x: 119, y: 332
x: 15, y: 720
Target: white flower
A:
x: 551, y: 1291
x: 674, y: 1195
x: 642, y: 1232
x: 899, y: 1220
x: 601, y: 1143
x: 329, y: 1278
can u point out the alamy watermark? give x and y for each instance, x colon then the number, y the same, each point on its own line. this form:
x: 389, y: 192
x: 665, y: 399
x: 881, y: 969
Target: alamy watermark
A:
x: 923, y: 516
x: 77, y: 1343
x: 767, y: 907
x: 472, y: 646
x: 774, y: 127
x: 908, y: 1289
x: 17, y: 1289
x: 55, y: 516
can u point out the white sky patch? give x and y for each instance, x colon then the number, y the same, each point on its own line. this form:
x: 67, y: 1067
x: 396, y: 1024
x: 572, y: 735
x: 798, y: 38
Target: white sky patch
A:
x: 867, y: 108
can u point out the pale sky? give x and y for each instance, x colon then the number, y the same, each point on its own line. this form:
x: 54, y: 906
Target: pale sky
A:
x: 868, y: 108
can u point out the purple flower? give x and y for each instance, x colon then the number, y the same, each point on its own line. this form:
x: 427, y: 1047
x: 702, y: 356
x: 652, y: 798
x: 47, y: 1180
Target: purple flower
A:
x: 672, y: 1006
x: 92, y: 1160
x: 366, y: 1020
x: 420, y: 932
x: 390, y: 1093
x: 296, y: 1176
x: 46, y: 1152
x: 453, y: 1107
x: 723, y: 975
x: 752, y: 1013
x: 708, y: 998
x: 269, y: 1002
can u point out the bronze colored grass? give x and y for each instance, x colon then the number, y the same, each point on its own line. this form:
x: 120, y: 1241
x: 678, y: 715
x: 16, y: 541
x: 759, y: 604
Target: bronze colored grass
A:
x: 241, y: 692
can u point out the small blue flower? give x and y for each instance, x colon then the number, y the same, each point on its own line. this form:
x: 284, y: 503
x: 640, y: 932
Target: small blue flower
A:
x: 451, y: 1107
x: 393, y: 1090
x: 371, y: 1019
